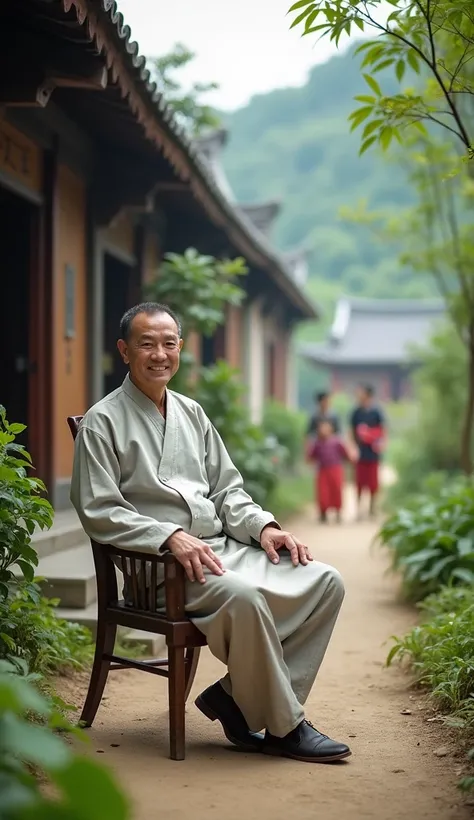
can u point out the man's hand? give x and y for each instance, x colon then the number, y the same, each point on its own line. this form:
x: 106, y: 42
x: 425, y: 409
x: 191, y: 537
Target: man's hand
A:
x: 193, y: 555
x: 273, y: 539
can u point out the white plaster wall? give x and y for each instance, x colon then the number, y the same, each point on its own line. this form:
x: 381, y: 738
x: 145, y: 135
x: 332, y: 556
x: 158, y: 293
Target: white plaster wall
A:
x: 254, y: 364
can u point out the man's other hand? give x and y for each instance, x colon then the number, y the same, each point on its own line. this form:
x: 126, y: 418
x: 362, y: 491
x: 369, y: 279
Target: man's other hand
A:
x: 194, y: 555
x: 273, y: 539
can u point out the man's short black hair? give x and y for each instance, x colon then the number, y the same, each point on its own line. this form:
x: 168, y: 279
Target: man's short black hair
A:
x: 368, y: 390
x: 145, y: 307
x: 319, y: 397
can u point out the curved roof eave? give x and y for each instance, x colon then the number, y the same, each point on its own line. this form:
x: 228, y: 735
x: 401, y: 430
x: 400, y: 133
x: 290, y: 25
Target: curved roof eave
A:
x: 129, y: 71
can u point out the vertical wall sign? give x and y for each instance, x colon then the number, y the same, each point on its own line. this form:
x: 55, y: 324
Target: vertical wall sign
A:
x: 69, y: 302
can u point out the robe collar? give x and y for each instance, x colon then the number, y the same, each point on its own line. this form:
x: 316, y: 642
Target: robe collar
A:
x: 143, y: 401
x: 169, y: 425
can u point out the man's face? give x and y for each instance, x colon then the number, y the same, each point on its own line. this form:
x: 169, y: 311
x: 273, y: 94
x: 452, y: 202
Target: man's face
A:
x: 152, y: 350
x: 362, y: 397
x: 324, y: 404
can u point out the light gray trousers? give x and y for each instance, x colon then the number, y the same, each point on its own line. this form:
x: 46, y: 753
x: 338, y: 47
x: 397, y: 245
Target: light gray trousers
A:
x: 270, y: 624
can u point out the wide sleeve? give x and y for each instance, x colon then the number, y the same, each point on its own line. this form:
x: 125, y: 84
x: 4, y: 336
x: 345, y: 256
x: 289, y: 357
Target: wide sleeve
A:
x: 103, y: 511
x: 241, y: 518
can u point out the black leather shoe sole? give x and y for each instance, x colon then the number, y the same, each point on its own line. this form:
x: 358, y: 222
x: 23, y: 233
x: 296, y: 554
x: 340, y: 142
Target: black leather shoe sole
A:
x: 206, y: 710
x: 279, y: 752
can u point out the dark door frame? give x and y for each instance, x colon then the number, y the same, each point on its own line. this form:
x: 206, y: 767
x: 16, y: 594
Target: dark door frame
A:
x: 40, y: 417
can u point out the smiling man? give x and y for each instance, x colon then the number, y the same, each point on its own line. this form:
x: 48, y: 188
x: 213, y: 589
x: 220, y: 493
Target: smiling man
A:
x: 151, y: 473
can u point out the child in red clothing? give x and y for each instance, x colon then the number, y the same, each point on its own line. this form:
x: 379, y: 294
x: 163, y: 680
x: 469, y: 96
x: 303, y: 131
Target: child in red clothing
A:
x: 329, y: 453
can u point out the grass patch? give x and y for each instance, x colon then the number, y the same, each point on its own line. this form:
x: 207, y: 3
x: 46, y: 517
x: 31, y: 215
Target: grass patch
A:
x: 440, y: 652
x: 293, y: 493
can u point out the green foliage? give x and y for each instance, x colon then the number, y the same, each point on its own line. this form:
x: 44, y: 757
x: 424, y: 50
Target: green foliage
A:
x: 30, y: 629
x: 441, y: 649
x: 290, y: 495
x: 290, y: 143
x: 431, y: 444
x: 432, y: 541
x: 84, y: 790
x: 441, y: 653
x: 198, y: 288
x: 190, y: 112
x: 433, y: 40
x: 287, y: 427
x: 220, y: 392
x: 21, y: 507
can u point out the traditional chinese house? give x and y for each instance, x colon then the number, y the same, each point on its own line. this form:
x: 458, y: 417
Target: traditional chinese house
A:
x: 97, y: 182
x: 374, y: 341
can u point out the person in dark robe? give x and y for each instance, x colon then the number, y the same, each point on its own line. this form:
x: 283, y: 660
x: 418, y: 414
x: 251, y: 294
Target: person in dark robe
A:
x: 367, y: 426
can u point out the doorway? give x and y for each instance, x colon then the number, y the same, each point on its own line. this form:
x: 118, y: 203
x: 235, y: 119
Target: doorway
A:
x: 18, y: 363
x: 118, y: 283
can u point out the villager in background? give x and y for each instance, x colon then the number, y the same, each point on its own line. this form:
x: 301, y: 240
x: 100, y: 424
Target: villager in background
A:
x: 151, y: 473
x: 322, y: 412
x: 329, y: 453
x: 367, y: 426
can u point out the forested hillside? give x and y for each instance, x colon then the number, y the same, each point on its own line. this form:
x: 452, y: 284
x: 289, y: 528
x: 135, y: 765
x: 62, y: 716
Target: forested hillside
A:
x: 295, y: 145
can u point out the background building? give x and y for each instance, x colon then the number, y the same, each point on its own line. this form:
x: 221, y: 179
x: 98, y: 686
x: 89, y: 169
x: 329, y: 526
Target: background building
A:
x: 374, y: 341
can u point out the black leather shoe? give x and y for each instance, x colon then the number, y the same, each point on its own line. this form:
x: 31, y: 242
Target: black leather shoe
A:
x: 307, y: 744
x: 216, y: 704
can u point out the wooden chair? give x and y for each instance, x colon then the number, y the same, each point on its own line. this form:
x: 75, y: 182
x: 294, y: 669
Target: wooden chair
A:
x: 183, y: 639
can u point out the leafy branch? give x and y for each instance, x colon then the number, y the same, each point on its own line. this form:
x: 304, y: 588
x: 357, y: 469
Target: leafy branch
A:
x: 433, y: 40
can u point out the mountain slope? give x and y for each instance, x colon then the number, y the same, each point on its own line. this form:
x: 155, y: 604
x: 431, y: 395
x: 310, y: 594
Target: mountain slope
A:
x: 295, y: 145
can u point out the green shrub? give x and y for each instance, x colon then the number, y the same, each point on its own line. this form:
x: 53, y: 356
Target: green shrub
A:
x: 84, y: 789
x: 21, y: 507
x: 288, y: 427
x: 432, y: 442
x: 441, y: 649
x: 432, y: 542
x: 441, y: 653
x: 30, y: 629
x: 256, y: 456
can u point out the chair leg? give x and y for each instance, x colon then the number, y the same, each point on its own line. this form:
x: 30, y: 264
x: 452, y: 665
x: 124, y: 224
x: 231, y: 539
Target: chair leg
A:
x: 105, y: 642
x: 192, y: 660
x: 176, y: 690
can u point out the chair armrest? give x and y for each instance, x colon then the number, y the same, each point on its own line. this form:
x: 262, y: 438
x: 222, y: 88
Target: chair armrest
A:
x: 174, y: 578
x: 134, y: 555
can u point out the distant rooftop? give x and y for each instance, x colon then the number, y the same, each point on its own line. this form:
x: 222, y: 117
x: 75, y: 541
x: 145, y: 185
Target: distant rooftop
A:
x: 376, y: 331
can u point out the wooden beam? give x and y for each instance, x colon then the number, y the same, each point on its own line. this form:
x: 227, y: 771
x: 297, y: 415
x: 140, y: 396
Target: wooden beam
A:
x: 97, y: 81
x: 32, y: 67
x: 25, y: 92
x: 116, y: 187
x: 172, y: 187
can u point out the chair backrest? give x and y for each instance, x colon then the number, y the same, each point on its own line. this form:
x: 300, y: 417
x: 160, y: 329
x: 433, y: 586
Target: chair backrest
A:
x: 74, y: 422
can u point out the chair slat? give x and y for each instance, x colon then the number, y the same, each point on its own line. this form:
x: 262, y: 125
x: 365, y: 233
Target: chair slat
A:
x: 142, y: 592
x: 134, y: 580
x: 152, y: 588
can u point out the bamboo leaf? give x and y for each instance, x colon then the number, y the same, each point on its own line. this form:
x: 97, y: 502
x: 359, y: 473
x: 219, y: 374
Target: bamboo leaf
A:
x: 300, y: 4
x: 400, y: 70
x: 301, y: 17
x: 373, y: 84
x: 366, y: 144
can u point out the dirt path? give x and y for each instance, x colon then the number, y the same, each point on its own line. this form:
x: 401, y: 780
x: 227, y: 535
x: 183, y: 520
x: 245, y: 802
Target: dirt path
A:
x: 394, y: 773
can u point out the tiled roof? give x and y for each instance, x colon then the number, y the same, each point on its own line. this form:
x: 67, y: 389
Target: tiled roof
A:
x: 376, y: 331
x: 187, y: 159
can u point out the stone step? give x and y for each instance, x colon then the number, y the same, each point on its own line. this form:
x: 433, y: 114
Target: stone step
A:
x: 154, y: 645
x: 70, y: 576
x: 65, y: 533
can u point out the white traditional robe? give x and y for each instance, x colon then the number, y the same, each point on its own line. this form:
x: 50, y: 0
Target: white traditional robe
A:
x: 138, y: 478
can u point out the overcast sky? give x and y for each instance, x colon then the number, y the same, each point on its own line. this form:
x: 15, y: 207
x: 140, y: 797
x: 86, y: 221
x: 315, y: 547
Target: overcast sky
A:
x: 244, y: 45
